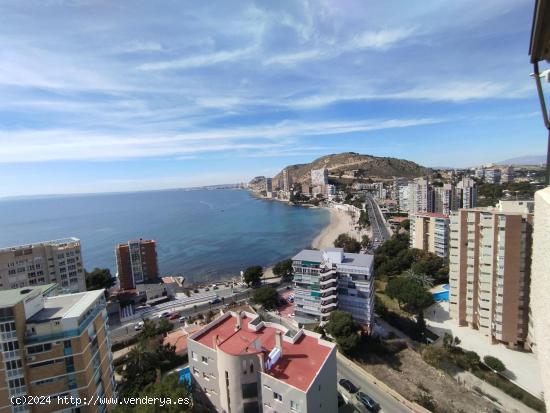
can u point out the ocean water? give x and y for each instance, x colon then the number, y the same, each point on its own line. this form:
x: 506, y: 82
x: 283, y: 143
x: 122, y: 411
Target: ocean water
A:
x: 201, y: 234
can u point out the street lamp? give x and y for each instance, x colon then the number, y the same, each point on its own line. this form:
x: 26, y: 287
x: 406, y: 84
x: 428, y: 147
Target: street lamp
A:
x: 539, y: 49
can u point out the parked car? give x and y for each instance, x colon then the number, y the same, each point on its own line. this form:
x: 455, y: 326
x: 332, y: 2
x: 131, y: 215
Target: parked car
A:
x: 139, y: 326
x: 349, y: 386
x: 215, y: 301
x: 366, y: 401
x: 174, y: 316
x: 196, y: 290
x: 165, y: 314
x: 215, y: 287
x: 207, y: 289
x: 182, y: 319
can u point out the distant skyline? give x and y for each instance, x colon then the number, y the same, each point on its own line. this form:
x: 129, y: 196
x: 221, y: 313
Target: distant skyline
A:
x: 122, y: 96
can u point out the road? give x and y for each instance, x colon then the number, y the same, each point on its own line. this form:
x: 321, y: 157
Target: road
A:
x: 379, y: 230
x: 387, y: 403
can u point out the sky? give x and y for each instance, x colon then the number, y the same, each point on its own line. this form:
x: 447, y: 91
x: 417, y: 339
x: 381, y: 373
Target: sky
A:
x: 100, y: 96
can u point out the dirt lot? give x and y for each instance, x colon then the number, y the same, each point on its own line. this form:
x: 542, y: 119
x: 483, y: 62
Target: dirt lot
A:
x: 408, y: 374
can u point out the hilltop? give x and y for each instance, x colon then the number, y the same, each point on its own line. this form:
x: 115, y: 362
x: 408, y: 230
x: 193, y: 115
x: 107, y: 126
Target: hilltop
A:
x: 354, y: 164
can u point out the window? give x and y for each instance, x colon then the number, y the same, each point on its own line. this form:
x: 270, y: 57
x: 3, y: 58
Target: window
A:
x: 250, y: 390
x: 294, y: 406
x: 194, y: 356
x: 277, y: 396
x: 251, y: 366
x: 205, y: 376
x: 204, y: 359
x: 39, y: 348
x: 195, y: 371
x: 16, y: 383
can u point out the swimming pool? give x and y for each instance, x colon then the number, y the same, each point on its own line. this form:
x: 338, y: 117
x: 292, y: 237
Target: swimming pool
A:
x: 442, y: 295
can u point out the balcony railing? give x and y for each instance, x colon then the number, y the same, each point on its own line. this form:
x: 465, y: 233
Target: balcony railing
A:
x: 9, y: 336
x: 69, y: 333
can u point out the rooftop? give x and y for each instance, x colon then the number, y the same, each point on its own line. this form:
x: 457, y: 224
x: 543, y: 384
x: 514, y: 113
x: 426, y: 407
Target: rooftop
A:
x: 359, y: 260
x: 178, y: 338
x: 432, y: 215
x: 9, y: 298
x: 66, y: 306
x: 62, y: 242
x: 300, y: 363
x: 308, y: 255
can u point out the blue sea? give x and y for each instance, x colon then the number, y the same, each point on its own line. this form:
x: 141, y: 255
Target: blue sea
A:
x: 201, y: 234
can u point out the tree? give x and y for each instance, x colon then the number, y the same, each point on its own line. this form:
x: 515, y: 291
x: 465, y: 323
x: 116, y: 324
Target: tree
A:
x: 266, y: 296
x: 283, y: 269
x: 471, y: 358
x: 406, y: 224
x: 494, y: 364
x: 169, y: 388
x: 253, y: 275
x: 423, y: 279
x: 365, y: 241
x: 344, y: 329
x: 163, y: 326
x: 410, y: 293
x: 99, y: 279
x: 348, y: 243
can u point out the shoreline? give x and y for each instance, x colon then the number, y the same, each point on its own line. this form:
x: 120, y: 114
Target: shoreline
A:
x: 340, y: 223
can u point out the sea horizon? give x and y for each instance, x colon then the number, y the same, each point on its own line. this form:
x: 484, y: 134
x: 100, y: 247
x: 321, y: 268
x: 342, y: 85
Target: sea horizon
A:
x: 202, y: 234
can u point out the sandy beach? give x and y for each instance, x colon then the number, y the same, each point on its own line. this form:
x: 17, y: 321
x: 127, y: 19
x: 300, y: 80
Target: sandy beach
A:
x: 340, y: 222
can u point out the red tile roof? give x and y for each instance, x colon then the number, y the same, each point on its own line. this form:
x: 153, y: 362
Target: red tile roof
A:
x: 297, y: 367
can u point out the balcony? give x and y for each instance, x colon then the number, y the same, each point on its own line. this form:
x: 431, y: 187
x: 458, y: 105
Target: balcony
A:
x: 69, y: 333
x: 330, y: 306
x: 9, y: 336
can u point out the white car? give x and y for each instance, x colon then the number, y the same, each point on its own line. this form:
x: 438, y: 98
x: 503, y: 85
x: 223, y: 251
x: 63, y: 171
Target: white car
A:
x: 139, y: 326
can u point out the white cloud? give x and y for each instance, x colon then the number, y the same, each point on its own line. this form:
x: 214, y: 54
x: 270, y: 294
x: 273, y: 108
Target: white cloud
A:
x: 137, y: 46
x: 52, y: 145
x: 197, y: 60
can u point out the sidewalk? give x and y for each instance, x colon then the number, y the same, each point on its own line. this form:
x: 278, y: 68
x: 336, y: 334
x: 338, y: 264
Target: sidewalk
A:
x: 522, y: 368
x: 508, y: 403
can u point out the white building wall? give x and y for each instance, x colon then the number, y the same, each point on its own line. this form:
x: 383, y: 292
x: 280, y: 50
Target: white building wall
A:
x: 540, y: 282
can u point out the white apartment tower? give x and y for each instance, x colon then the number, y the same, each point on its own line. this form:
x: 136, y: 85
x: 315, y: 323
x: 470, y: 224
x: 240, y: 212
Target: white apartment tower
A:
x: 421, y: 196
x: 466, y: 191
x: 58, y: 261
x: 333, y: 279
x: 319, y: 177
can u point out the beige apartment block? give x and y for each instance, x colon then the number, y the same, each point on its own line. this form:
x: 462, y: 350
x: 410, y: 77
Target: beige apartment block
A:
x: 58, y: 261
x: 240, y: 364
x: 430, y: 232
x: 54, y: 346
x: 540, y: 280
x: 489, y: 271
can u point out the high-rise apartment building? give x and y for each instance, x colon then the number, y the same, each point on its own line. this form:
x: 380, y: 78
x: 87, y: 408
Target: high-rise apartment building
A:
x: 268, y: 185
x: 319, y: 177
x: 58, y: 261
x: 54, y: 346
x: 287, y: 180
x: 403, y: 198
x: 421, y: 196
x: 490, y: 259
x: 430, y: 232
x: 333, y: 279
x: 480, y: 173
x: 241, y: 364
x: 136, y: 263
x: 540, y: 280
x: 492, y: 176
x: 466, y: 193
x: 507, y: 174
x: 445, y: 199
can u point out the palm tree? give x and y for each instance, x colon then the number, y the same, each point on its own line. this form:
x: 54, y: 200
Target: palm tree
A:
x: 425, y: 280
